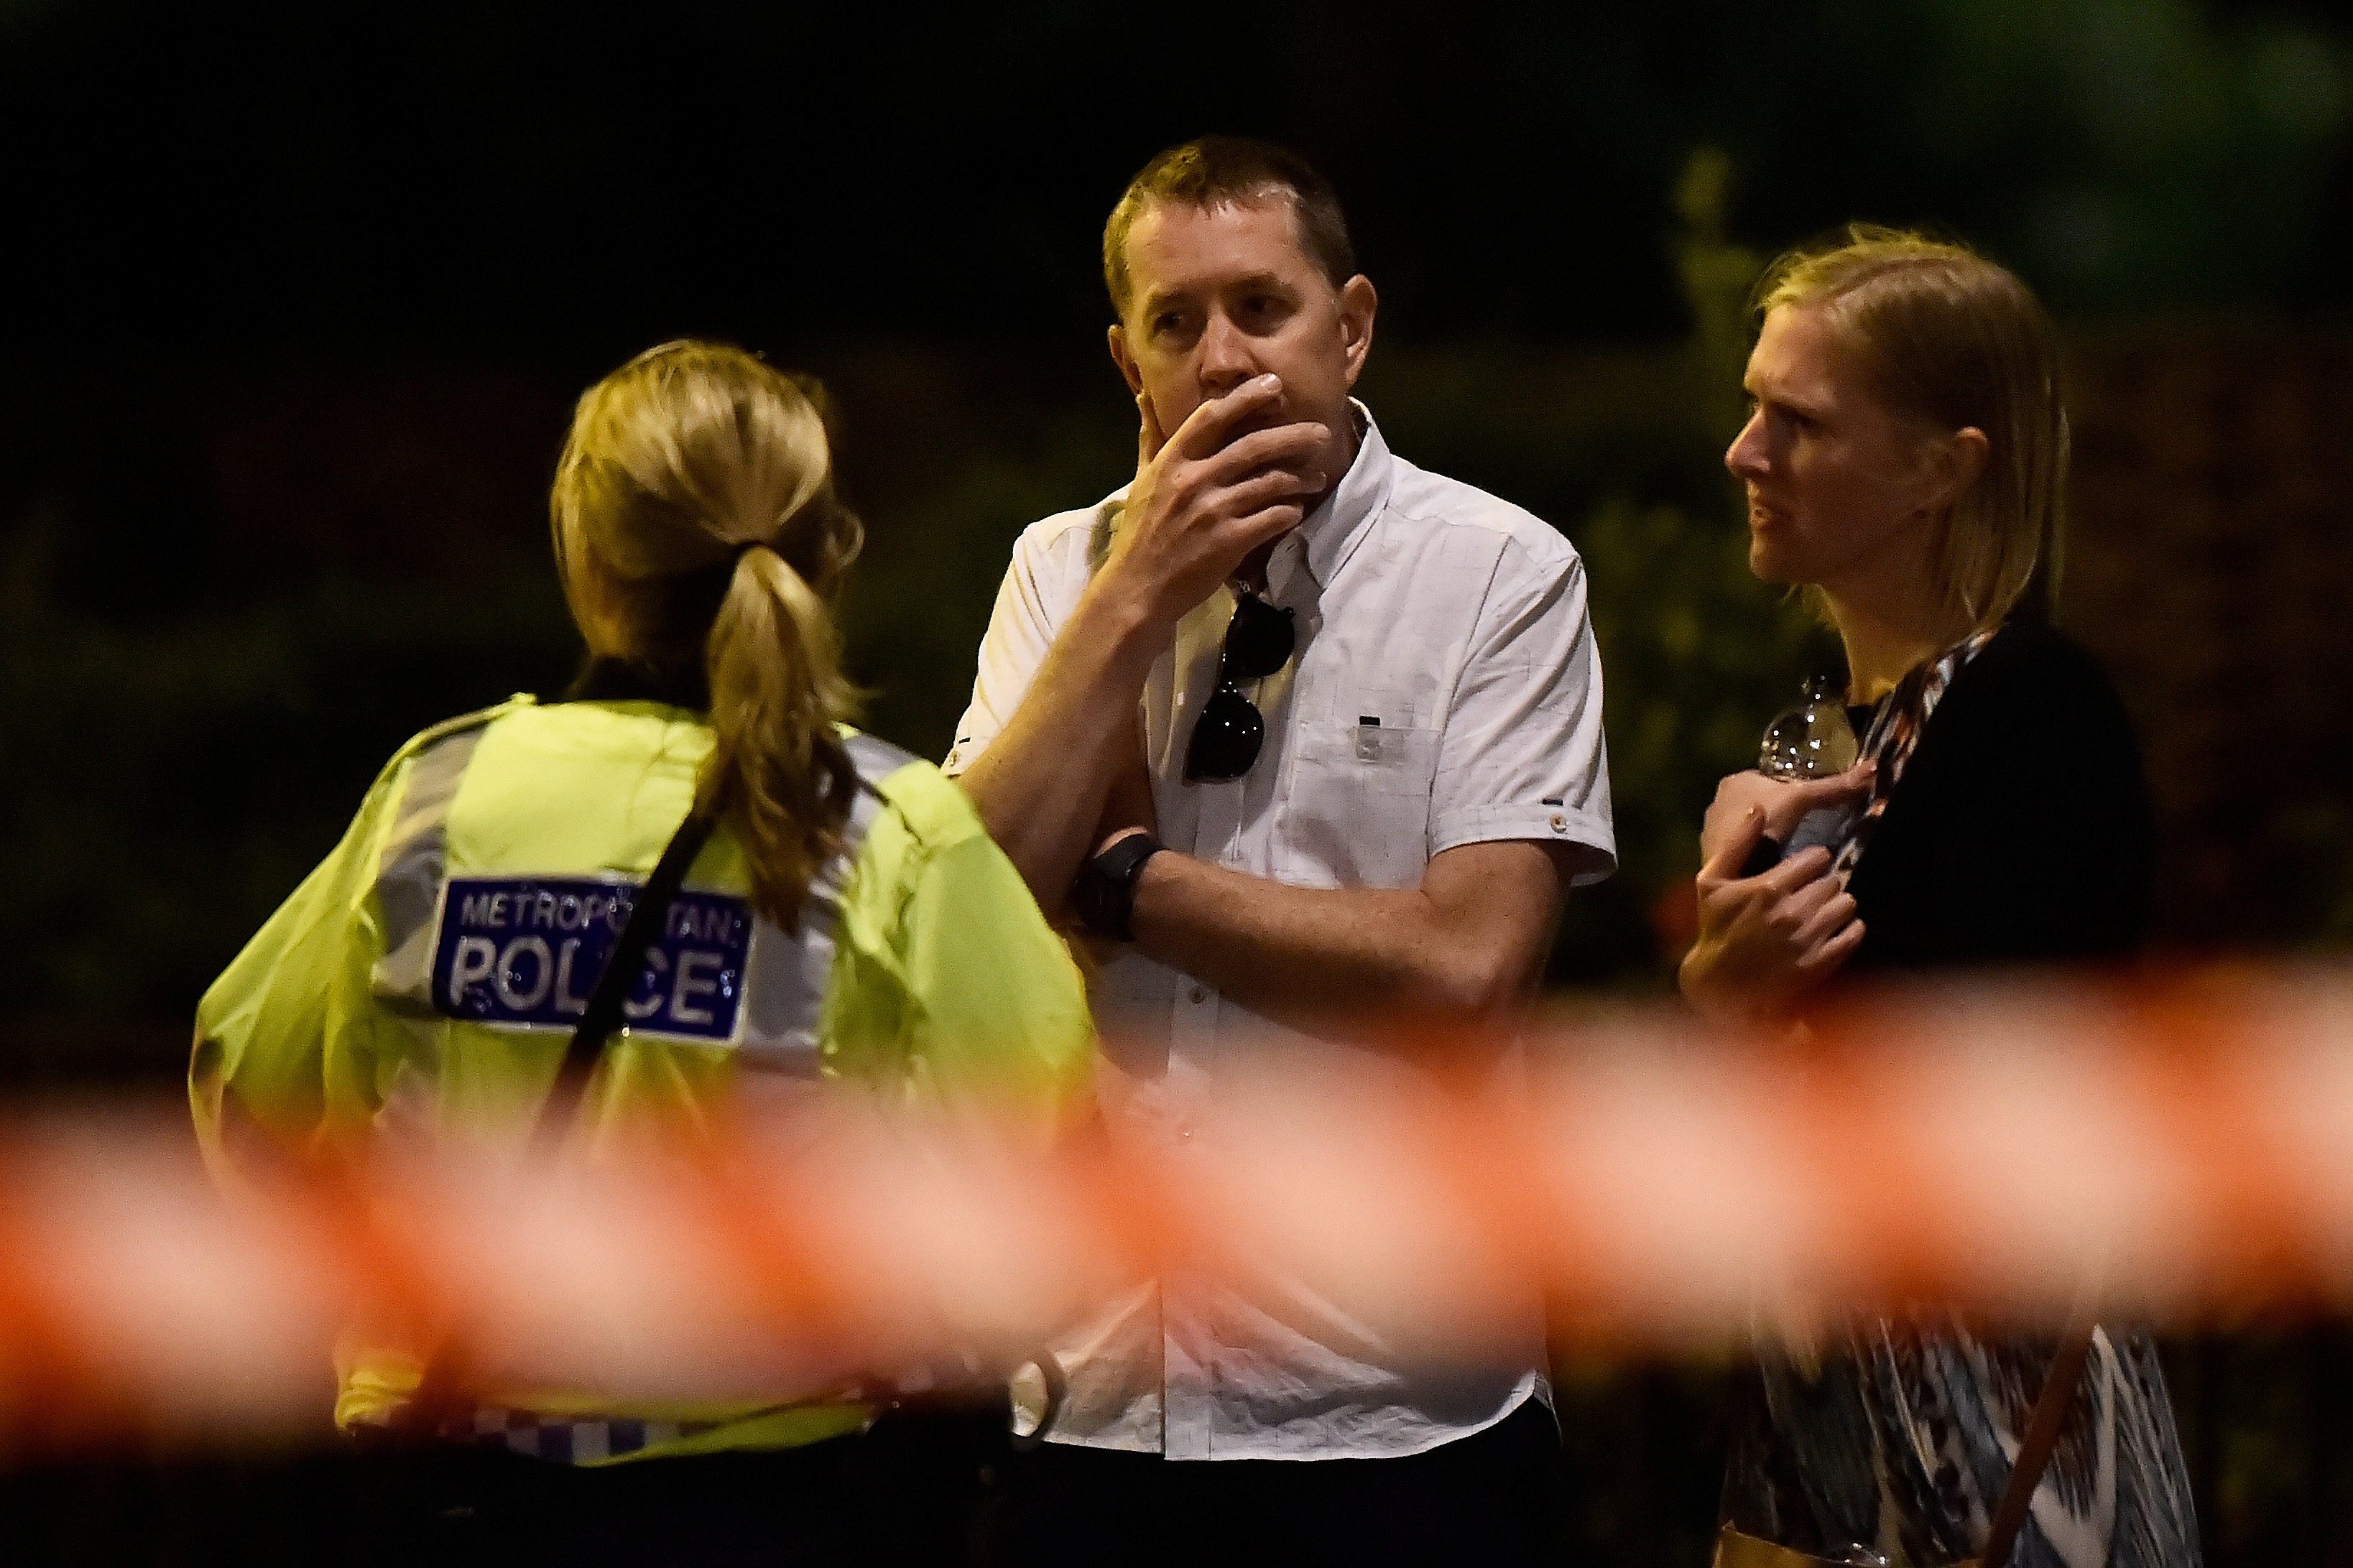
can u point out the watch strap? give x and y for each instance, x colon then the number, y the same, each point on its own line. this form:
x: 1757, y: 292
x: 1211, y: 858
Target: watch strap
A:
x: 1104, y: 893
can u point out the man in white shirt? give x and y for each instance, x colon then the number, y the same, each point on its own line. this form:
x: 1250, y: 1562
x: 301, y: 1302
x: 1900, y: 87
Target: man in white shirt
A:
x: 1317, y: 735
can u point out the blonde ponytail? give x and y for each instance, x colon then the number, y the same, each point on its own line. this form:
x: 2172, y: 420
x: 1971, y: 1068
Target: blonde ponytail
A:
x: 696, y: 523
x: 776, y: 688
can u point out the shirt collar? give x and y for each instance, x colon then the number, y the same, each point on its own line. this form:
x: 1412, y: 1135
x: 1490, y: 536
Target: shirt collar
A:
x: 1331, y: 532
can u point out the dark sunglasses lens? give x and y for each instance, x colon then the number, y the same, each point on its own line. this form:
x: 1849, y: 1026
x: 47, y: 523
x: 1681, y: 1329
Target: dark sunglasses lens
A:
x: 1259, y: 639
x: 1226, y: 739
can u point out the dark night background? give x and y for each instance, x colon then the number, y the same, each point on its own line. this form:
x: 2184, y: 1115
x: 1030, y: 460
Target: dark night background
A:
x: 302, y: 295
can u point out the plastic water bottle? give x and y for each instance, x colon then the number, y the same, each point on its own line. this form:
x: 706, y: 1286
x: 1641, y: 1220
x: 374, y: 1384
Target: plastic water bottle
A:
x: 1812, y: 740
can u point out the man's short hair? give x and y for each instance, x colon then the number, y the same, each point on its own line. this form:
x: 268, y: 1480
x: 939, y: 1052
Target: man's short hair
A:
x: 1231, y: 170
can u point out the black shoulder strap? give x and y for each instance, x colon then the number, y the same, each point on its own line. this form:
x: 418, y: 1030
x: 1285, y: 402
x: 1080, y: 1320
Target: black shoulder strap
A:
x: 622, y: 965
x: 440, y: 1380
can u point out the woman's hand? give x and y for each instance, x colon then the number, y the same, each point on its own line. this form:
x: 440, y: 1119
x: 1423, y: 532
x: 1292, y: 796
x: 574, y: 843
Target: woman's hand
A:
x: 1764, y: 941
x: 1783, y: 803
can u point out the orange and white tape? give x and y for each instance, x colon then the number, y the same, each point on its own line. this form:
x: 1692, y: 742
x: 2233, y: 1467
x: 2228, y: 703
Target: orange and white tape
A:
x: 2190, y: 1147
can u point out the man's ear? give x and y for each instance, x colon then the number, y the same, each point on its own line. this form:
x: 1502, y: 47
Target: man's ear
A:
x: 1357, y: 304
x: 1128, y: 369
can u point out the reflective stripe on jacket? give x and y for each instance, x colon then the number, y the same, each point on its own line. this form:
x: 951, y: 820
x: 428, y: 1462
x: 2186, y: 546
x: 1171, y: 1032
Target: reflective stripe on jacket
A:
x: 428, y: 974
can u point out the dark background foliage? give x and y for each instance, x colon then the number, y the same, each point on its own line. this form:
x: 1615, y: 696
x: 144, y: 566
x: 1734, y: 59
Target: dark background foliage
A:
x: 302, y: 296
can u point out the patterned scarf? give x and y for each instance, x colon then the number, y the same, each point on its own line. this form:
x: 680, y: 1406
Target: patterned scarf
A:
x: 1895, y: 730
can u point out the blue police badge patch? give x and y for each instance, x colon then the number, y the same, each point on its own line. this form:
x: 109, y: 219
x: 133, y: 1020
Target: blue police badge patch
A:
x: 527, y: 951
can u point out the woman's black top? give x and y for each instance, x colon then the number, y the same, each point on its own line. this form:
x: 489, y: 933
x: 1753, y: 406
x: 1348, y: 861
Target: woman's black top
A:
x: 2019, y: 831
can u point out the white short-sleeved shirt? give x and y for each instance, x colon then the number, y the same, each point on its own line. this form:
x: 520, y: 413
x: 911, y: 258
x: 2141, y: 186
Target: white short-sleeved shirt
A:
x: 1445, y: 691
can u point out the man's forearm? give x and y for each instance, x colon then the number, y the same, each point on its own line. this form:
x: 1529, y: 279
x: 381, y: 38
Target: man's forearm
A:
x: 1040, y: 785
x: 1312, y: 956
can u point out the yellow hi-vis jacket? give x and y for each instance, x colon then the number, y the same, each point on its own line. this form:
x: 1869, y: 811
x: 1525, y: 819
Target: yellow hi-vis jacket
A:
x: 432, y: 969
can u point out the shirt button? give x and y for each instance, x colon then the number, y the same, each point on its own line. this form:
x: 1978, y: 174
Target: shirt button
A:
x: 1560, y: 823
x: 1200, y: 995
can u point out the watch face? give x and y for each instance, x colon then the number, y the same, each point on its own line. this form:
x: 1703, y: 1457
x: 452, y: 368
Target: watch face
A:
x: 1089, y: 897
x: 1104, y: 893
x: 1096, y: 898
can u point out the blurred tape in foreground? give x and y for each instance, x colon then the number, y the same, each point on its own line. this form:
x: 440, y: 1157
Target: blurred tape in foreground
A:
x: 2189, y: 1147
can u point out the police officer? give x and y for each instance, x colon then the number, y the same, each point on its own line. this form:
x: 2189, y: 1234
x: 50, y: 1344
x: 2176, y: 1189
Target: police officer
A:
x: 845, y: 917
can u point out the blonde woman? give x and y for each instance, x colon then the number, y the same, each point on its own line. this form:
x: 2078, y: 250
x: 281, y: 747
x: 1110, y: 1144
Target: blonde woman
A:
x: 1906, y: 464
x: 844, y: 917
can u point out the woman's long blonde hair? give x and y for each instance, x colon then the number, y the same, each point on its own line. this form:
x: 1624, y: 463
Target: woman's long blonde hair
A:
x: 695, y: 521
x: 1954, y: 340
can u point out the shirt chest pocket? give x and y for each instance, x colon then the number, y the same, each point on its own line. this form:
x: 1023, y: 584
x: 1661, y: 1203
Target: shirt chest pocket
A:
x: 1357, y: 812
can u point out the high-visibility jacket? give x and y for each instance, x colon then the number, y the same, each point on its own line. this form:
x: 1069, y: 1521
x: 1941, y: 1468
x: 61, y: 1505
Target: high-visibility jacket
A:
x: 431, y: 970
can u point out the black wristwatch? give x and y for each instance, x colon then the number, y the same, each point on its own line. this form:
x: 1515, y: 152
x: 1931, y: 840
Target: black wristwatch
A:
x: 1105, y: 894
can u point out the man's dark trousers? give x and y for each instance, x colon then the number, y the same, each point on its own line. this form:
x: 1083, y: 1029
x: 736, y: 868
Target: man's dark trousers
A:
x: 1497, y: 1497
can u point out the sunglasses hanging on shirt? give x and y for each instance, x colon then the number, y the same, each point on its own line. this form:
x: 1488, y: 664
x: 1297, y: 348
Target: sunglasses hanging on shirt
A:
x: 1227, y: 736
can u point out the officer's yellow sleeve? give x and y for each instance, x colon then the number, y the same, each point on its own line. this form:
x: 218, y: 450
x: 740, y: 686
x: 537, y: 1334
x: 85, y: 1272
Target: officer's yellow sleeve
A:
x: 258, y: 1073
x: 999, y: 1005
x: 949, y: 967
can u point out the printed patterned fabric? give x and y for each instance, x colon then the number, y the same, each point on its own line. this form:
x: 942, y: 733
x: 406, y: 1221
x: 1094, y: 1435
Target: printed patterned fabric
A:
x: 1897, y: 1445
x: 1894, y: 730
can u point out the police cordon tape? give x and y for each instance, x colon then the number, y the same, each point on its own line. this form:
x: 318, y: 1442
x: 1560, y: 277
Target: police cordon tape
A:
x: 2188, y: 1148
